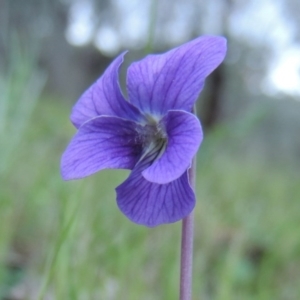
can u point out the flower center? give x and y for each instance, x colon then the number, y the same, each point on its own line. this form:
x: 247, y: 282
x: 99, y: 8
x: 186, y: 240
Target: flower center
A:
x: 155, y: 139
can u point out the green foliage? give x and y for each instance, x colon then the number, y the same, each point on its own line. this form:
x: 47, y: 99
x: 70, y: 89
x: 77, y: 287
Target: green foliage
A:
x: 20, y: 84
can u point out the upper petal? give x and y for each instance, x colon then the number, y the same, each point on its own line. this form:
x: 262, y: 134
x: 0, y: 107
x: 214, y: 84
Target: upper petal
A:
x: 184, y: 138
x: 173, y: 80
x: 101, y: 143
x: 153, y: 204
x: 104, y: 97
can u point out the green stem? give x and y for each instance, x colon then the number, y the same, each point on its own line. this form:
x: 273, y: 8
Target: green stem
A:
x: 152, y: 26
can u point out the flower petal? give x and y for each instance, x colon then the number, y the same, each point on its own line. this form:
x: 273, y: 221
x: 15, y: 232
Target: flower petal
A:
x: 104, y: 97
x: 173, y: 80
x: 153, y: 204
x: 184, y: 138
x: 102, y: 143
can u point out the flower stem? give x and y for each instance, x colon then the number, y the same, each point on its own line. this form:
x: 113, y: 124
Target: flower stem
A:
x: 186, y: 266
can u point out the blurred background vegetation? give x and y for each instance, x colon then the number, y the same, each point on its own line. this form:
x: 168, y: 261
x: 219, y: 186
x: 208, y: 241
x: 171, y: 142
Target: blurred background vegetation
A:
x: 67, y: 240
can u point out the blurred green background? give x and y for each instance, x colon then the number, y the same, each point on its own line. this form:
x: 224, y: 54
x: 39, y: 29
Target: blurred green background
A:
x: 67, y: 240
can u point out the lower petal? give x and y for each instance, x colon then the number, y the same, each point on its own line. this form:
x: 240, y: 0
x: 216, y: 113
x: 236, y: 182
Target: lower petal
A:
x: 153, y: 204
x: 102, y: 143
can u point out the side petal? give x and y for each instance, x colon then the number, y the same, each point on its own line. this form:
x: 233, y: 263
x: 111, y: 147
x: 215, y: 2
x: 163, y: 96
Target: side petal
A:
x: 184, y: 138
x: 101, y: 143
x: 153, y: 204
x: 173, y: 80
x: 104, y: 97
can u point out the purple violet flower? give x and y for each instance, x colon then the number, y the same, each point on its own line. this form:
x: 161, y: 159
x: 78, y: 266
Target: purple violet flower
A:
x: 154, y: 133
